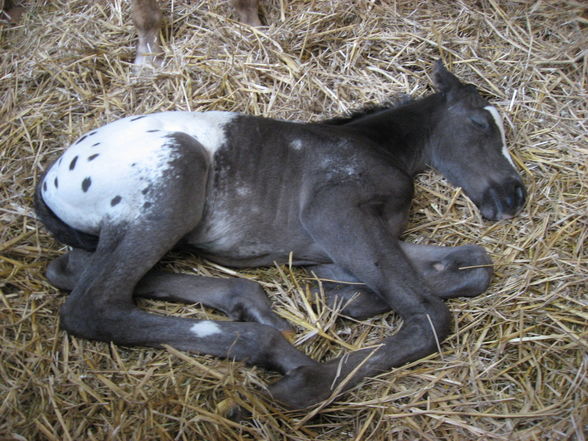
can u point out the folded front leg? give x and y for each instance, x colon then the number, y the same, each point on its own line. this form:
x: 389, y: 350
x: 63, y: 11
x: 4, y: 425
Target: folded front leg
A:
x: 348, y: 221
x: 449, y: 272
x: 343, y: 290
x: 463, y: 271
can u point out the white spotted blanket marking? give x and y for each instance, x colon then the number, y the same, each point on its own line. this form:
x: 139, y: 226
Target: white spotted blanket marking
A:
x: 108, y: 172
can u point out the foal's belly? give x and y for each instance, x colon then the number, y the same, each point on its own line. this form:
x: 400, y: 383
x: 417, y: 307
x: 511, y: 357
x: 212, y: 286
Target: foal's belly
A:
x: 247, y: 238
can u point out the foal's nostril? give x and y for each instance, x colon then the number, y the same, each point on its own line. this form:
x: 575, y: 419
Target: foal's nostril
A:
x: 509, y: 201
x: 513, y: 201
x: 520, y: 195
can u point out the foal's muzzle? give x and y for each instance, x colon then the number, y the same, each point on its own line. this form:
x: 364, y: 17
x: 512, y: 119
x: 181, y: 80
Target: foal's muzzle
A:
x: 503, y: 200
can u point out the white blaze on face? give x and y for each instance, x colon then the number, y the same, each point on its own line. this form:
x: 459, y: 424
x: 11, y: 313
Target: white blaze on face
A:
x: 500, y: 125
x: 205, y: 328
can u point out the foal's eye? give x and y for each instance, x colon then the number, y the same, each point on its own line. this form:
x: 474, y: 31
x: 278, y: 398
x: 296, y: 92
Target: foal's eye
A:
x: 479, y: 121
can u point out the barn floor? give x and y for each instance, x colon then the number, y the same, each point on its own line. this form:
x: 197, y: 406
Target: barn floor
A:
x: 515, y: 366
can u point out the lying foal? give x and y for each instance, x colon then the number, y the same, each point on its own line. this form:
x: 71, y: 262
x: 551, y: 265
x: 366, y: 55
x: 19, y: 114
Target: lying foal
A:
x: 249, y: 191
x: 147, y: 18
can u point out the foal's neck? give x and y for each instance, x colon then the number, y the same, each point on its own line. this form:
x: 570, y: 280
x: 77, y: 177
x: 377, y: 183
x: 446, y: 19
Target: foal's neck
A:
x: 403, y: 133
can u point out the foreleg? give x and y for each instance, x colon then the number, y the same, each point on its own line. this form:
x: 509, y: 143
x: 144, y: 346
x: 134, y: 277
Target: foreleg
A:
x: 449, y: 272
x: 463, y: 271
x: 346, y: 221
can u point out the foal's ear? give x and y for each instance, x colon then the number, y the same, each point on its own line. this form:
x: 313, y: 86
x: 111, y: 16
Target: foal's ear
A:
x: 444, y: 81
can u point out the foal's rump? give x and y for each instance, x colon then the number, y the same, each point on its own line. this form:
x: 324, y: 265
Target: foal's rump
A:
x: 115, y: 173
x: 62, y: 232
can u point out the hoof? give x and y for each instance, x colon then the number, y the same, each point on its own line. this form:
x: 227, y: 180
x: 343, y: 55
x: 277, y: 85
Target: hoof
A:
x: 466, y: 271
x: 302, y: 387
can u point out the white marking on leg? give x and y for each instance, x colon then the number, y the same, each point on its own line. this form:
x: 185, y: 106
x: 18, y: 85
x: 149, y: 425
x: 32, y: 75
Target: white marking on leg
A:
x: 500, y: 125
x: 148, y: 50
x: 205, y: 328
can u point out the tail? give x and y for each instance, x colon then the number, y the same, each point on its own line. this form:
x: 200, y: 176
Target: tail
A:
x: 62, y: 232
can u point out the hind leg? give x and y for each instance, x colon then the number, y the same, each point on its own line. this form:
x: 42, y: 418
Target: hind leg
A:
x: 65, y: 271
x: 463, y: 271
x: 101, y: 305
x: 239, y: 299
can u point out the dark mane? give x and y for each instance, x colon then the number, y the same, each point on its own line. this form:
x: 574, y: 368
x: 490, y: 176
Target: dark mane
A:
x: 391, y: 103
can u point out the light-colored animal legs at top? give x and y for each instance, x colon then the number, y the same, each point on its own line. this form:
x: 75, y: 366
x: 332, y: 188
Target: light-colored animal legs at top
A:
x: 247, y: 10
x: 147, y: 18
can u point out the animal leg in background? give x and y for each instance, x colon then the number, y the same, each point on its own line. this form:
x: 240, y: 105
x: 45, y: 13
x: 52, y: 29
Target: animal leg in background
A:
x: 147, y: 18
x: 247, y: 10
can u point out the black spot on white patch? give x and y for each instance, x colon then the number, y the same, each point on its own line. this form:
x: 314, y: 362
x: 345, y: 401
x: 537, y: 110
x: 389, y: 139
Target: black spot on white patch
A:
x: 92, y: 133
x: 56, y: 182
x: 95, y: 144
x: 147, y: 205
x: 153, y: 131
x: 81, y: 139
x: 94, y: 156
x: 44, y: 186
x: 134, y: 164
x: 86, y: 184
x: 115, y: 200
x: 72, y: 164
x: 137, y: 118
x: 145, y: 190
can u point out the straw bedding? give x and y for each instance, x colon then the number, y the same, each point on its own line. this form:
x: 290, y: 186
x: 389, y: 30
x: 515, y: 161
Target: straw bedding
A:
x: 514, y: 367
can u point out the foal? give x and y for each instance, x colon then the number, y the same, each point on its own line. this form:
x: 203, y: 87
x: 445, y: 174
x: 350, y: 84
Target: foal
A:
x: 249, y: 191
x: 147, y: 18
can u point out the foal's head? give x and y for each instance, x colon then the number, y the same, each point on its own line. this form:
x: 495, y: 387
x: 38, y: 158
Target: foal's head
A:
x: 468, y: 148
